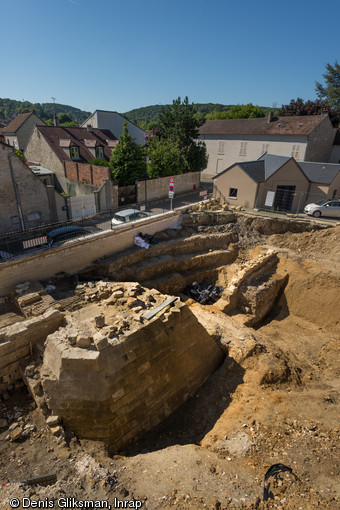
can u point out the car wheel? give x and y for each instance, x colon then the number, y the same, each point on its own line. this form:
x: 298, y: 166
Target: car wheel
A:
x: 317, y: 214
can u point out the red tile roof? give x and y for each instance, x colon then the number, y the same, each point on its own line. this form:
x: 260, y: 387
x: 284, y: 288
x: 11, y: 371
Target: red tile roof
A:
x: 284, y: 126
x: 58, y: 137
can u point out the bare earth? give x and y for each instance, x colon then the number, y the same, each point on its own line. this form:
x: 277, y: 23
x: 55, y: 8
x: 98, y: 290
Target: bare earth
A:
x: 277, y: 403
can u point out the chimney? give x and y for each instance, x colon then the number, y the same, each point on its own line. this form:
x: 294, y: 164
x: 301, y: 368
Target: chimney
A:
x: 270, y: 117
x: 55, y: 120
x: 89, y: 127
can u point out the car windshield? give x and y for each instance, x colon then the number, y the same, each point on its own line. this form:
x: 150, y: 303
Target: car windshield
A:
x: 321, y: 202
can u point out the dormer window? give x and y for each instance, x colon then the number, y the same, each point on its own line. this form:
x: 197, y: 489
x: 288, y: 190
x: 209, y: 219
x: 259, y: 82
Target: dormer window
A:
x: 74, y: 152
x: 99, y: 152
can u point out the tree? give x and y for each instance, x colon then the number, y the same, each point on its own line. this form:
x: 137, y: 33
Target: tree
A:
x: 127, y: 162
x: 240, y: 111
x: 165, y: 158
x: 299, y: 107
x: 330, y: 92
x: 178, y: 124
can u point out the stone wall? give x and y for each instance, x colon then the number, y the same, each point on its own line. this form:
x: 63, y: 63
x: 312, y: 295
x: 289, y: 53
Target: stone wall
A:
x: 32, y: 192
x: 17, y: 342
x: 118, y: 393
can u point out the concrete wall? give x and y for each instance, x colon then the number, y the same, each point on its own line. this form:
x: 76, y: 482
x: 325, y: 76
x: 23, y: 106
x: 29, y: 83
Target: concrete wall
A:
x: 320, y: 142
x: 114, y: 122
x: 32, y: 193
x: 158, y: 187
x: 17, y: 341
x: 90, y: 174
x: 236, y: 178
x: 119, y: 393
x: 79, y: 254
x: 224, y: 151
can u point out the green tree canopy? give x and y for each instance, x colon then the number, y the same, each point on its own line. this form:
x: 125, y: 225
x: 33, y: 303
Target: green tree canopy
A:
x: 240, y: 111
x: 330, y: 91
x: 127, y: 162
x: 178, y: 132
x: 165, y: 158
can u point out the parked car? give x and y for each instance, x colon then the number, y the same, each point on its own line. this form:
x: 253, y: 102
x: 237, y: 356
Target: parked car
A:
x: 65, y: 233
x: 324, y: 208
x: 128, y: 215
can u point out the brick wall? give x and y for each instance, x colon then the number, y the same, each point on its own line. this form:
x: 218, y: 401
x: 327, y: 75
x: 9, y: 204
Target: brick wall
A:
x: 91, y: 174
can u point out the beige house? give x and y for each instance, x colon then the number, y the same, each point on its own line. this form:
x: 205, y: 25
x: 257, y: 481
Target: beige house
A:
x: 306, y: 138
x: 324, y: 180
x: 20, y: 129
x: 25, y: 201
x: 114, y: 122
x: 276, y: 181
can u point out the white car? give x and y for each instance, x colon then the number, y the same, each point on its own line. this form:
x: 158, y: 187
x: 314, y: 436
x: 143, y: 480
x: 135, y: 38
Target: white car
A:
x: 324, y: 208
x: 128, y: 215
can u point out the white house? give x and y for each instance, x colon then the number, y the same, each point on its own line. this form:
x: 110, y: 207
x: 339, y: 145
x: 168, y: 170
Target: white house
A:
x: 114, y: 122
x: 306, y: 138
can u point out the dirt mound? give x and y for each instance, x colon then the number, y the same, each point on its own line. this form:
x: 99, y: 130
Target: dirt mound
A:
x: 319, y: 245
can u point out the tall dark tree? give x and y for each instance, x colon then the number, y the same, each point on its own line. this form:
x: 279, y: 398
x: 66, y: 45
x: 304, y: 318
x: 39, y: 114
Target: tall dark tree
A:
x: 127, y: 162
x: 179, y: 124
x: 330, y: 91
x: 300, y: 107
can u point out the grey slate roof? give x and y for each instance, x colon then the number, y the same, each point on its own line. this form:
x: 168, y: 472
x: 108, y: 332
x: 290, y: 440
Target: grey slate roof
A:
x: 321, y: 173
x: 261, y: 169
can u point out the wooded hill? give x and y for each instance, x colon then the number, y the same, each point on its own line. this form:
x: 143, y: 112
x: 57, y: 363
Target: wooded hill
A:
x: 9, y: 108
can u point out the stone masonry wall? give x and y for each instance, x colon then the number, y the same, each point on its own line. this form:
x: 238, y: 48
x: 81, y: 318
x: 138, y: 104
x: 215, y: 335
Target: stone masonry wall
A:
x: 17, y: 341
x: 119, y: 393
x: 32, y: 193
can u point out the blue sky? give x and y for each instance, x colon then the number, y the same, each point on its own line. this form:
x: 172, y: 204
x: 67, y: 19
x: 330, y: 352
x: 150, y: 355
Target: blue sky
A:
x: 120, y: 55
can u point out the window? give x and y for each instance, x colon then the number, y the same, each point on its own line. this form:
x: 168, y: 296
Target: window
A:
x: 233, y: 193
x: 335, y: 193
x: 243, y: 149
x: 265, y: 148
x: 221, y: 147
x: 99, y: 152
x: 74, y: 152
x: 295, y: 151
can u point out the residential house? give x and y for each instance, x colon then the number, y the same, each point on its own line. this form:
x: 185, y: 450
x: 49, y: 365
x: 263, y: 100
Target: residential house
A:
x: 63, y: 149
x: 278, y: 182
x: 114, y: 122
x: 324, y: 180
x: 247, y: 183
x: 306, y: 138
x: 25, y: 201
x: 20, y: 129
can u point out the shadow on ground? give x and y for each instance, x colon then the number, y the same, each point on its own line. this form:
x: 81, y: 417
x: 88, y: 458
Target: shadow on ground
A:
x: 190, y: 423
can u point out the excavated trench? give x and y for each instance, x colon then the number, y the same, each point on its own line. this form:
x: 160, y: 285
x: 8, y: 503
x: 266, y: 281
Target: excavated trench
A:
x: 262, y: 286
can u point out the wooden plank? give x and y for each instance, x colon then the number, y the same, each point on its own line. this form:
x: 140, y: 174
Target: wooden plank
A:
x: 160, y: 307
